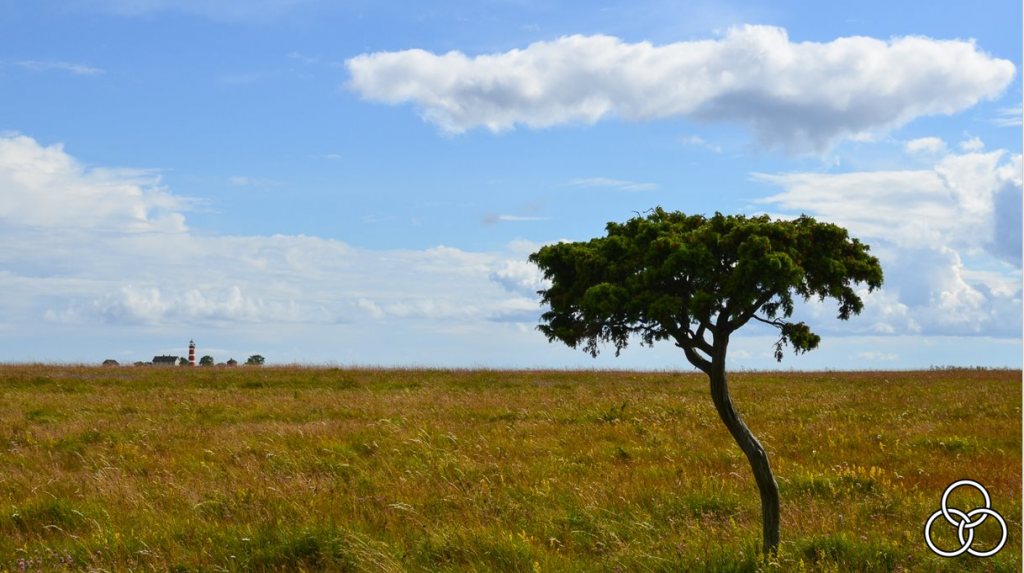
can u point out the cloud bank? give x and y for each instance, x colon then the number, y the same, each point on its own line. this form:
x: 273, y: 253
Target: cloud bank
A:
x: 948, y: 238
x: 94, y: 252
x: 796, y: 96
x: 110, y: 246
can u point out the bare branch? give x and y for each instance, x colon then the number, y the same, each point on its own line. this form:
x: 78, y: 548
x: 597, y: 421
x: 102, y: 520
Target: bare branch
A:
x: 778, y: 323
x: 746, y: 316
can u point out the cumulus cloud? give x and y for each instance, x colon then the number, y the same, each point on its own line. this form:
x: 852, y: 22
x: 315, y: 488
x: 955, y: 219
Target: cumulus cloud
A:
x: 44, y: 186
x: 967, y: 207
x: 972, y: 144
x: 952, y: 204
x: 797, y: 96
x: 520, y: 276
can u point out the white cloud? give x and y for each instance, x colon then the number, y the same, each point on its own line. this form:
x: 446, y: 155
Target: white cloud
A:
x: 972, y: 144
x: 492, y: 219
x: 967, y: 205
x: 303, y: 58
x: 427, y: 308
x: 798, y: 96
x: 696, y: 140
x: 1009, y: 116
x: 520, y: 276
x: 46, y: 187
x: 611, y: 184
x: 953, y: 204
x: 88, y: 245
x: 246, y: 181
x: 152, y: 306
x: 930, y: 145
x: 43, y: 66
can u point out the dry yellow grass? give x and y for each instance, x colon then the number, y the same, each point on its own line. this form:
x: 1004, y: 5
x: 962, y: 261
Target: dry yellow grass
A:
x: 210, y: 469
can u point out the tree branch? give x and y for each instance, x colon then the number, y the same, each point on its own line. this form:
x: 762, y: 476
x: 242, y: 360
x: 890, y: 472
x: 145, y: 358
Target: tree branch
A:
x: 699, y: 341
x: 746, y: 316
x: 778, y: 323
x: 696, y: 359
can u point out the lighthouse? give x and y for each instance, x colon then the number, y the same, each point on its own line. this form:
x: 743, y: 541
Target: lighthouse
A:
x: 191, y: 353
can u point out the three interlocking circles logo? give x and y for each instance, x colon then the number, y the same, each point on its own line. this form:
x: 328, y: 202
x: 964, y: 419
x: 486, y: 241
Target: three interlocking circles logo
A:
x: 965, y: 522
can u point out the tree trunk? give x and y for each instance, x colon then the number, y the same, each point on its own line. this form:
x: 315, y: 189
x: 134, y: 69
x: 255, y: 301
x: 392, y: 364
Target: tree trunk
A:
x: 752, y: 448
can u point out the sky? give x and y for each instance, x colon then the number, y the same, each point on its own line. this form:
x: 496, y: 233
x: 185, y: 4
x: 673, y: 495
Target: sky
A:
x: 361, y: 183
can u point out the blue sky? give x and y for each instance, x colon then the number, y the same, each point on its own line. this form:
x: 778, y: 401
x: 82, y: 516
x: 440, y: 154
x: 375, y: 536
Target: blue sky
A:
x: 361, y: 182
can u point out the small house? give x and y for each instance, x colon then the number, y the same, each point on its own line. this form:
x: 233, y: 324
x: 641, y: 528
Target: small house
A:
x: 232, y: 362
x: 165, y: 360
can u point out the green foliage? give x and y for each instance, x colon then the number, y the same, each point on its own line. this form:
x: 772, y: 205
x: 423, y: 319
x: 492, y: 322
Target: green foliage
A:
x: 255, y: 360
x: 682, y: 277
x: 206, y: 360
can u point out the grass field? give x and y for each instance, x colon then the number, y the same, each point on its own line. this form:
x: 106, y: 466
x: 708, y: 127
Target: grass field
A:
x: 263, y: 469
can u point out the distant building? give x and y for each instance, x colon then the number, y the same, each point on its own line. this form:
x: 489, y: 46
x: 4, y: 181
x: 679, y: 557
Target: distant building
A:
x: 110, y: 362
x: 165, y: 360
x: 232, y: 362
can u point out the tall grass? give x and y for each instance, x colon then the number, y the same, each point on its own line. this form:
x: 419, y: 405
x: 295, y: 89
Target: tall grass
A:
x: 286, y: 469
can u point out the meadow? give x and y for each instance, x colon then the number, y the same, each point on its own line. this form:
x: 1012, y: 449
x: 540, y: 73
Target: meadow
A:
x: 333, y: 469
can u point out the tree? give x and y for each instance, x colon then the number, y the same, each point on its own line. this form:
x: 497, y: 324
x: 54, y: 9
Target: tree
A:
x: 206, y: 360
x: 182, y: 362
x: 255, y: 360
x: 694, y: 281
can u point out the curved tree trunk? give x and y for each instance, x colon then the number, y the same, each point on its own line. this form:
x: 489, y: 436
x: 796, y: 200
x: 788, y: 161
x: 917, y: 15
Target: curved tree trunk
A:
x: 755, y: 454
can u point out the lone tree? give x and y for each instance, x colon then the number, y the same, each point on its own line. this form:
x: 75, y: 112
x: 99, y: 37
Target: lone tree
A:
x: 206, y: 360
x: 255, y: 360
x: 695, y: 280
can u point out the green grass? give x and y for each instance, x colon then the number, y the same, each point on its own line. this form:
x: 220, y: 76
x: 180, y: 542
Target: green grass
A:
x: 317, y: 469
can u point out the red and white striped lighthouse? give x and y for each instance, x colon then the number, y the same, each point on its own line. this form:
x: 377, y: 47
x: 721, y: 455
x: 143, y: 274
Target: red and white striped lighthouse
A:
x: 191, y: 353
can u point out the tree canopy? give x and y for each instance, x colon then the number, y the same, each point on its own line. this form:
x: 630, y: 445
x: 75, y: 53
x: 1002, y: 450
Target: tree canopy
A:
x: 683, y: 277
